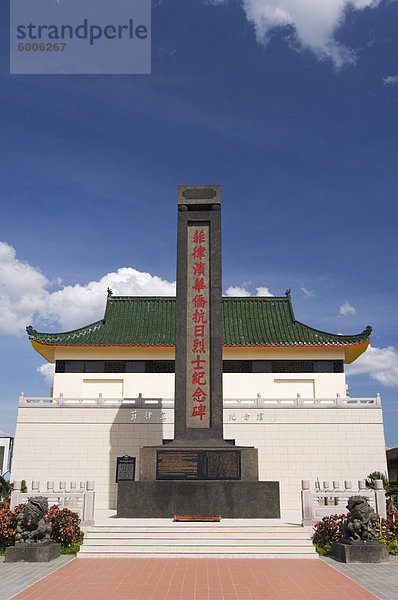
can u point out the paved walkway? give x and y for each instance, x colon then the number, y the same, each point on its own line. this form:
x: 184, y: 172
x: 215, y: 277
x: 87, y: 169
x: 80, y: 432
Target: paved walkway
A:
x: 15, y: 577
x: 380, y: 579
x: 198, y: 579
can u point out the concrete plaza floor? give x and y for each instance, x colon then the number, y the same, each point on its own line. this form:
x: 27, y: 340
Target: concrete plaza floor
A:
x: 15, y: 577
x: 380, y: 579
x: 198, y: 579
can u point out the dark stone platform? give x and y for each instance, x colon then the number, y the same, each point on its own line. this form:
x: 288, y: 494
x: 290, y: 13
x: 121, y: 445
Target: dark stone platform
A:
x: 230, y: 499
x: 360, y: 553
x: 33, y: 553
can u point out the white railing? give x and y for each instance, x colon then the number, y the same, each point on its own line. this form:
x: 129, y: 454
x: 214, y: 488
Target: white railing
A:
x: 79, y: 500
x: 333, y: 501
x: 257, y: 402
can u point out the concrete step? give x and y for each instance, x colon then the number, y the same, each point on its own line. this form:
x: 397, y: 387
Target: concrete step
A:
x: 235, y: 554
x: 201, y: 527
x: 193, y: 541
x: 125, y: 543
x: 200, y: 535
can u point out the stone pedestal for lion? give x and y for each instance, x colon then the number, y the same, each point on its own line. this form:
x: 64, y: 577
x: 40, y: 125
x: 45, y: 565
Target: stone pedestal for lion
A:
x: 32, y: 539
x: 360, y: 553
x: 360, y: 543
x: 40, y: 552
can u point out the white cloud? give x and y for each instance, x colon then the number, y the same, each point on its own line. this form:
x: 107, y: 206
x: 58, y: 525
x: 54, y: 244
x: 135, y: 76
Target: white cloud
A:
x: 234, y: 291
x: 314, y: 23
x: 380, y: 364
x: 22, y: 291
x: 25, y: 295
x: 47, y: 370
x: 347, y: 309
x: 390, y: 80
x: 307, y: 293
x: 74, y: 306
x: 263, y: 291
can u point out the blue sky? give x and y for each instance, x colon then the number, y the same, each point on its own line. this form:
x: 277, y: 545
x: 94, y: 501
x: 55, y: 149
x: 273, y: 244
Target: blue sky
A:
x: 291, y: 108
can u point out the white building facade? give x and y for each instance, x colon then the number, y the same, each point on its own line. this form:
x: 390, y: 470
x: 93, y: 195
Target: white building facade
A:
x: 284, y: 392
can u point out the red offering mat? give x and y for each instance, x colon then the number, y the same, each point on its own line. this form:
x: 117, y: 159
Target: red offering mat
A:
x: 206, y: 518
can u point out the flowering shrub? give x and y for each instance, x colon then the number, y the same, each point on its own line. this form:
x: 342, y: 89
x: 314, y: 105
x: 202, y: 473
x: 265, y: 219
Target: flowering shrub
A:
x: 327, y: 531
x: 8, y: 523
x: 66, y: 526
x: 388, y: 529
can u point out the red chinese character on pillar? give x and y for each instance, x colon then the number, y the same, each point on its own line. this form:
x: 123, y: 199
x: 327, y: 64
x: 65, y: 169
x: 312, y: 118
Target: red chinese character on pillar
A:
x: 199, y: 268
x: 197, y: 378
x: 199, y: 316
x: 199, y: 411
x: 199, y: 237
x: 199, y: 285
x: 199, y: 252
x: 199, y: 395
x: 198, y: 347
x: 199, y: 331
x: 197, y: 362
x: 199, y: 301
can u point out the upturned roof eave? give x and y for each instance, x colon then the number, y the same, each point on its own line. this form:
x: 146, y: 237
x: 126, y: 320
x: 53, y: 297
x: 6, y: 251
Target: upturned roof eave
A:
x: 259, y: 326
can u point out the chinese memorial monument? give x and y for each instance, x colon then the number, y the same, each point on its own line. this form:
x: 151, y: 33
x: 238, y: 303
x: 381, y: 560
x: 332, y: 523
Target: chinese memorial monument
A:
x: 198, y: 473
x: 198, y: 405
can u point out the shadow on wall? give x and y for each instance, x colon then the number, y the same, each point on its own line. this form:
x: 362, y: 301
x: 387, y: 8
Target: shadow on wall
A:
x: 133, y: 428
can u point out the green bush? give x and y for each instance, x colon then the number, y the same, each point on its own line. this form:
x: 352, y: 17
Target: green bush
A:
x: 74, y: 549
x: 388, y: 529
x: 392, y: 546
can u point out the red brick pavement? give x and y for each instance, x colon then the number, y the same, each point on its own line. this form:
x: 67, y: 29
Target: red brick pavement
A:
x: 195, y: 579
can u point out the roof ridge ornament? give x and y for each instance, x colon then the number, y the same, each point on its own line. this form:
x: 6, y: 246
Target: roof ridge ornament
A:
x: 109, y: 292
x: 30, y: 331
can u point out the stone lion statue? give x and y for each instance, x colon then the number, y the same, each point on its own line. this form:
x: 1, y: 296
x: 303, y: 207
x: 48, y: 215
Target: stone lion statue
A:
x: 359, y: 526
x: 32, y: 524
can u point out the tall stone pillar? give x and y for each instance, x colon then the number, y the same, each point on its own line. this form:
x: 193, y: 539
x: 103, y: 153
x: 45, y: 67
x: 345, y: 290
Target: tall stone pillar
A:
x: 198, y: 472
x: 198, y: 360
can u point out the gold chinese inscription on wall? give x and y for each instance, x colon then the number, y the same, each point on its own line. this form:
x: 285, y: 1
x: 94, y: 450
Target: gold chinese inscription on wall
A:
x: 198, y: 328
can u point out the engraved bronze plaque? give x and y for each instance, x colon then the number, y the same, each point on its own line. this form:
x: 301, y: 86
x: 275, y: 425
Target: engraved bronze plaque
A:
x: 198, y: 464
x: 178, y: 464
x: 223, y: 465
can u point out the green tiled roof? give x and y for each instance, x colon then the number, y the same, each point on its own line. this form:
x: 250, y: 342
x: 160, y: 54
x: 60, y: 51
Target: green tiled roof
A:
x: 150, y: 321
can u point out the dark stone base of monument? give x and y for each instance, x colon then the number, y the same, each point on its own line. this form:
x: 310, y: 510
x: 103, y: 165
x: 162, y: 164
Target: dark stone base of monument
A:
x: 360, y: 553
x: 230, y: 499
x: 33, y: 553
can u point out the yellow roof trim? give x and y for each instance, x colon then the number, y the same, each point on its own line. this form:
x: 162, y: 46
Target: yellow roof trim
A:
x: 47, y: 352
x: 354, y: 352
x: 351, y: 352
